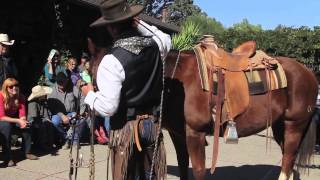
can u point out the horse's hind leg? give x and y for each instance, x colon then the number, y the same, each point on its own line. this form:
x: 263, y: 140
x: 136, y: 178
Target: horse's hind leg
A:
x: 293, y: 134
x: 179, y: 143
x: 196, y: 149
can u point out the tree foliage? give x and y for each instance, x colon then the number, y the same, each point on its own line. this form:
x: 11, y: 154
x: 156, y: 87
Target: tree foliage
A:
x: 302, y: 43
x: 189, y: 35
x: 207, y: 25
x: 181, y: 9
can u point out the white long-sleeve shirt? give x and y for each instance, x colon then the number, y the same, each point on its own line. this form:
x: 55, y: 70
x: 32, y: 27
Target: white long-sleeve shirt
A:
x: 110, y: 74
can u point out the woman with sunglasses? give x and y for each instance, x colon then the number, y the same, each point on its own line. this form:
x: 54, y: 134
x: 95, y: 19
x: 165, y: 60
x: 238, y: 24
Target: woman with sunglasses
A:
x: 13, y: 118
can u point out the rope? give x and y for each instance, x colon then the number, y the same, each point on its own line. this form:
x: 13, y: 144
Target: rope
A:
x: 175, y: 66
x: 92, y: 155
x: 161, y: 104
x: 74, y: 166
x: 160, y: 120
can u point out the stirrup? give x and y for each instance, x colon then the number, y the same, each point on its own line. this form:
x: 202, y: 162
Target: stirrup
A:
x: 231, y: 135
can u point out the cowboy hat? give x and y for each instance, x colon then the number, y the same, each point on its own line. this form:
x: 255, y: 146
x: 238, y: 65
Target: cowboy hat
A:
x: 4, y: 39
x: 115, y: 11
x: 39, y: 91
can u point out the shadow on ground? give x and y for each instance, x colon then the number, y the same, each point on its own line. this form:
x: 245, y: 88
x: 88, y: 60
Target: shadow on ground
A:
x: 246, y: 172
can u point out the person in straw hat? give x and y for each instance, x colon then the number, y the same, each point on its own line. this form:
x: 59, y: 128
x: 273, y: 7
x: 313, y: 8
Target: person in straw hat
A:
x: 129, y: 80
x: 7, y: 66
x: 39, y: 115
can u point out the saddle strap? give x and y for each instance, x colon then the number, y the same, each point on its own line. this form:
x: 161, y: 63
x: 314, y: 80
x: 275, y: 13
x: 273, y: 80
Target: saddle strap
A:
x: 219, y: 101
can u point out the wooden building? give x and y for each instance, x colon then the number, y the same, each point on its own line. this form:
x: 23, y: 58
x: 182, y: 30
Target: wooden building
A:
x: 40, y: 25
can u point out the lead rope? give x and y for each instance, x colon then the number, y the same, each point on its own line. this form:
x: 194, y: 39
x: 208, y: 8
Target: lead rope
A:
x: 160, y: 120
x: 92, y: 155
x: 176, y: 65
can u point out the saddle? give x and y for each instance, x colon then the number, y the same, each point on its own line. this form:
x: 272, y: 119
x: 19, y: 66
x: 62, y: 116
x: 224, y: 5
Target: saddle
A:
x: 237, y: 68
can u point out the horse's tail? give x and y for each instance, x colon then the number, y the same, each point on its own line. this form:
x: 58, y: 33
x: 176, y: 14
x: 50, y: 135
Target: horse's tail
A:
x: 304, y: 157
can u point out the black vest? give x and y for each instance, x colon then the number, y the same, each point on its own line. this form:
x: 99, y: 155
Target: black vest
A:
x: 141, y: 89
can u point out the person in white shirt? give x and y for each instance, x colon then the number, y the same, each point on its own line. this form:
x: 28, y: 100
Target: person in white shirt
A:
x: 129, y: 80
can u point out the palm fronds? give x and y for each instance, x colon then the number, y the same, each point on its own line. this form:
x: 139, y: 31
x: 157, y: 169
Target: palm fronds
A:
x: 188, y: 36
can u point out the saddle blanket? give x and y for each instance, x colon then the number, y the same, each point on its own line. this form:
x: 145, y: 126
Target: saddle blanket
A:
x: 258, y: 81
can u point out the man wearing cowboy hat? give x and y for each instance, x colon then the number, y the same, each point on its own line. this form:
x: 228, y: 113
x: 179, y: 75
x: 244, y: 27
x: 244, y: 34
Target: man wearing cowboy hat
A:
x: 39, y: 115
x: 129, y: 80
x: 7, y: 67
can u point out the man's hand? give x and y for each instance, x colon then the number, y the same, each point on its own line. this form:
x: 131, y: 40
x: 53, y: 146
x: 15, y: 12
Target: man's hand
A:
x: 86, y: 89
x: 49, y: 61
x: 136, y: 21
x: 65, y: 119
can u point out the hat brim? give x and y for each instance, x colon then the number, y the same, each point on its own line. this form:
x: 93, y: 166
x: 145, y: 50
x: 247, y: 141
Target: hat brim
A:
x: 134, y: 11
x: 47, y: 90
x: 8, y: 43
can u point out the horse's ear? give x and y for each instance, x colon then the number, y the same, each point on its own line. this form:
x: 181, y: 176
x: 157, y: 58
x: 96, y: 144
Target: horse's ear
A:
x: 247, y: 49
x: 91, y: 47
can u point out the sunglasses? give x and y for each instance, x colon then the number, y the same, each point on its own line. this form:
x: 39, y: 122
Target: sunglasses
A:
x: 15, y: 85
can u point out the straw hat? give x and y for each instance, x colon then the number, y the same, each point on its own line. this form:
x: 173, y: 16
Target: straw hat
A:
x: 115, y: 11
x: 4, y: 39
x: 39, y: 91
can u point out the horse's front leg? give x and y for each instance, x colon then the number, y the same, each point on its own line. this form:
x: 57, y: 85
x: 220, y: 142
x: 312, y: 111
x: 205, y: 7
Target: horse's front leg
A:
x: 196, y: 149
x: 179, y: 142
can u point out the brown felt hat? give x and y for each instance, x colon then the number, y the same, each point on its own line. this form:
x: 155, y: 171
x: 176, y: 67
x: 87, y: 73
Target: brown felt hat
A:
x: 115, y: 11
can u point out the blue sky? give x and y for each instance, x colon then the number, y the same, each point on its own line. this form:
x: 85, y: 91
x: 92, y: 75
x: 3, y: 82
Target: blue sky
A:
x: 268, y: 13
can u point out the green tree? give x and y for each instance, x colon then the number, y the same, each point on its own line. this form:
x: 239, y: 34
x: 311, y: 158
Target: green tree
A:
x: 186, y: 39
x: 181, y: 9
x: 241, y: 32
x: 207, y: 25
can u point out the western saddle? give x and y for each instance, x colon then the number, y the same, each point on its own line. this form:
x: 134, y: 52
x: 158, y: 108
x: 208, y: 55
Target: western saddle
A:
x: 232, y: 97
x: 233, y: 65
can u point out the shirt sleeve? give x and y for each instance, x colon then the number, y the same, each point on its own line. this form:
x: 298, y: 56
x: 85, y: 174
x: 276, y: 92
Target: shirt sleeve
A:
x: 32, y: 109
x: 46, y: 72
x: 162, y: 39
x: 110, y: 76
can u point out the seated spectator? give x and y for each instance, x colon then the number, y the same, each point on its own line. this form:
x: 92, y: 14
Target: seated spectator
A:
x: 53, y: 67
x: 85, y: 74
x: 40, y: 116
x: 84, y: 59
x: 63, y: 105
x: 72, y: 71
x: 13, y: 118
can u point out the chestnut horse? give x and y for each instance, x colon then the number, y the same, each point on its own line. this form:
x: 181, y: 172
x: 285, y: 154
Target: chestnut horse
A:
x: 291, y: 107
x: 187, y: 111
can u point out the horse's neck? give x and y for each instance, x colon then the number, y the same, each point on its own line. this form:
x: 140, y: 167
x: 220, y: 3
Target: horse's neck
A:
x: 176, y: 60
